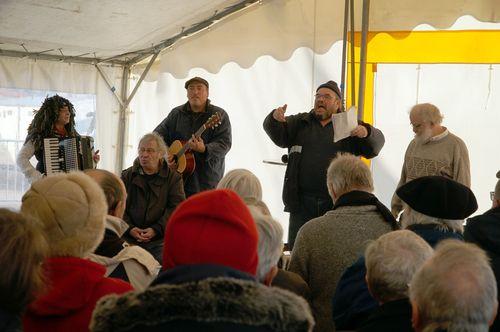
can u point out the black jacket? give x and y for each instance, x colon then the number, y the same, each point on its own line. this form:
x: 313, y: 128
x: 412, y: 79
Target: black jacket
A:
x: 150, y: 203
x: 390, y: 316
x: 180, y: 124
x: 204, y: 298
x: 484, y: 230
x: 294, y: 134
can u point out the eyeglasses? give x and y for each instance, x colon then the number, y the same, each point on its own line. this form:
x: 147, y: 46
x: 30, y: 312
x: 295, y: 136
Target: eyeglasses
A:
x: 325, y: 97
x: 147, y: 150
x: 492, y: 195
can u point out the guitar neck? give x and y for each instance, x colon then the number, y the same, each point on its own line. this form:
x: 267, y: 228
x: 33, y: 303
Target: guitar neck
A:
x: 197, y: 134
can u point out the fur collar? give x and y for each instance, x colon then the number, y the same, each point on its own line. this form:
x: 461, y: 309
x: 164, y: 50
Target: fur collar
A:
x: 210, y: 300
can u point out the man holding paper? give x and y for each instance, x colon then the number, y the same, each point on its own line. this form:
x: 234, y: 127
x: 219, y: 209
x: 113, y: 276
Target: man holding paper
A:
x: 309, y: 138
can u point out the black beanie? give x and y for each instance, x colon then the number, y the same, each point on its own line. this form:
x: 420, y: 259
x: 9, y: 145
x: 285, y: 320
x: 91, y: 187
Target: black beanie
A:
x: 332, y: 86
x: 438, y: 197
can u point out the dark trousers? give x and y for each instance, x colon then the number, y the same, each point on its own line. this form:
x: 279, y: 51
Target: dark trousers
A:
x: 310, y: 207
x: 155, y: 248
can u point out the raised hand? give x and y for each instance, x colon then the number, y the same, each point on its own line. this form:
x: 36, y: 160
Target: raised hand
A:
x: 279, y: 113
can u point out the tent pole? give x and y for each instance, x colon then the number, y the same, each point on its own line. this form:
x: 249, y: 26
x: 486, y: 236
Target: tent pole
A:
x: 344, y: 52
x: 353, y: 68
x: 143, y: 75
x: 122, y: 125
x: 362, y: 67
x: 108, y: 82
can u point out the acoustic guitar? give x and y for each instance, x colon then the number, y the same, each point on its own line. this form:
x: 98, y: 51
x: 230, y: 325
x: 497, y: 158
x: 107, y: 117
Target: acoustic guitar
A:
x: 183, y: 156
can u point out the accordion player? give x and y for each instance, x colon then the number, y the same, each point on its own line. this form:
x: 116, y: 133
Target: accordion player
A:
x: 68, y: 154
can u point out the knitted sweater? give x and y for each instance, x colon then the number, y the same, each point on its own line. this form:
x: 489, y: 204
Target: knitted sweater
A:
x: 326, y: 246
x: 445, y: 155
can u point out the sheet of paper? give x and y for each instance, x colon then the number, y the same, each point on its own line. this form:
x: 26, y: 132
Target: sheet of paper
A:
x: 344, y: 123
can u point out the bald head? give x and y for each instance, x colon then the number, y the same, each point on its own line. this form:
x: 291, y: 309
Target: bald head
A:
x: 114, y: 190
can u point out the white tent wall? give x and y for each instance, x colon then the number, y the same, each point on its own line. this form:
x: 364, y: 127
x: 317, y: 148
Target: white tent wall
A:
x: 21, y: 73
x: 248, y: 95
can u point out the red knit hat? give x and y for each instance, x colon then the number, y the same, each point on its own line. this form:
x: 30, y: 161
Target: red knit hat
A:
x: 212, y: 227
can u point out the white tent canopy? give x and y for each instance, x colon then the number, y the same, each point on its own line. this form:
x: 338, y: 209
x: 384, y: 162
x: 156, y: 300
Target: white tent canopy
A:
x: 266, y: 53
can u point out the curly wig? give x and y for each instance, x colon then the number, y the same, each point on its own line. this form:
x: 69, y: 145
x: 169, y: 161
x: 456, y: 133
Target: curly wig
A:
x: 43, y: 122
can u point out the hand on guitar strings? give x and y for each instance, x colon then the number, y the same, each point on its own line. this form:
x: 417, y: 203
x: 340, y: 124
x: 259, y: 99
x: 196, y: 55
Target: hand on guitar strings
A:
x: 196, y: 144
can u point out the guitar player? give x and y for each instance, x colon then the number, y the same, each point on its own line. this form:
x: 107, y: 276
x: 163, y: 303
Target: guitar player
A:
x: 210, y: 148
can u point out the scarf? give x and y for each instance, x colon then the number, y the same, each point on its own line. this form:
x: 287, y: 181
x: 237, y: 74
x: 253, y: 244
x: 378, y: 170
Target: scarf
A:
x: 360, y: 198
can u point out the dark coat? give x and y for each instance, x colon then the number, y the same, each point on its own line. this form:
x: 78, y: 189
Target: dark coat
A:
x: 150, y: 203
x: 484, y: 231
x: 10, y: 322
x: 204, y: 298
x: 390, y: 316
x: 180, y: 124
x: 294, y: 135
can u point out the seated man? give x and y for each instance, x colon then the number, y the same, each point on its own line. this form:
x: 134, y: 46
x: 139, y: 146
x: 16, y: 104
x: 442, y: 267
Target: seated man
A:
x: 153, y: 192
x: 455, y: 290
x: 123, y: 261
x: 327, y: 245
x: 208, y: 283
x: 391, y: 262
x: 71, y: 209
x: 483, y: 230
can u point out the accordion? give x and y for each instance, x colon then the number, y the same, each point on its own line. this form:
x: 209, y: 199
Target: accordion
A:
x: 68, y: 154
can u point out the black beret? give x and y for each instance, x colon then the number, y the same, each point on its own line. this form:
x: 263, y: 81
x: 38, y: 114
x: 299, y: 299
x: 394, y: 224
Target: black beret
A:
x: 330, y: 85
x: 196, y: 79
x: 438, y: 197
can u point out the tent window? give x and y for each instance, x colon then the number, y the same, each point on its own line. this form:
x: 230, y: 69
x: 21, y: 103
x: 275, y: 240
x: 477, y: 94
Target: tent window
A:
x: 16, y: 113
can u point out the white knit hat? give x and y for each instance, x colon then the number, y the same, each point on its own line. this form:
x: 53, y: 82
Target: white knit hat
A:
x: 72, y: 209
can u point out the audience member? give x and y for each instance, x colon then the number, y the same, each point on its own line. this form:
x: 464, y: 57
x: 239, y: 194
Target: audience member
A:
x: 484, y: 231
x: 123, y: 261
x: 243, y: 182
x: 435, y: 207
x: 433, y: 151
x: 283, y: 279
x: 391, y: 262
x: 153, y: 192
x: 270, y: 245
x: 23, y: 250
x: 327, y: 245
x: 208, y: 284
x: 454, y: 291
x: 71, y: 209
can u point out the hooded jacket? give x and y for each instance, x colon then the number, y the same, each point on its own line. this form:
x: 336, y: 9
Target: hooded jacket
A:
x: 74, y: 286
x: 204, y: 298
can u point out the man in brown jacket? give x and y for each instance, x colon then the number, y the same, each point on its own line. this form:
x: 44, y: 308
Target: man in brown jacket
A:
x: 153, y: 192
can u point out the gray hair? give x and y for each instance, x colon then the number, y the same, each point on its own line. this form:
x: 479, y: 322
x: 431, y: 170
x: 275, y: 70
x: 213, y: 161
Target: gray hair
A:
x: 348, y: 172
x: 412, y: 217
x: 162, y: 147
x: 456, y: 289
x: 391, y: 262
x: 428, y: 112
x: 243, y: 182
x: 270, y: 241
